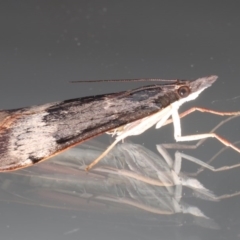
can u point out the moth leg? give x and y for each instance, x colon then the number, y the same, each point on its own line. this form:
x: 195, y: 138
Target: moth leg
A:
x: 177, y: 163
x: 212, y: 159
x: 180, y: 180
x: 178, y: 135
x: 206, y: 165
x: 200, y: 142
x: 136, y: 128
x: 193, y: 109
x: 102, y: 155
x: 210, y: 195
x: 225, y: 196
x: 211, y: 168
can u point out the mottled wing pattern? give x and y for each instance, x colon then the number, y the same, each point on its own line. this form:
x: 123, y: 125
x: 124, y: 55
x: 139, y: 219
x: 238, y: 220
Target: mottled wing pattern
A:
x: 30, y: 135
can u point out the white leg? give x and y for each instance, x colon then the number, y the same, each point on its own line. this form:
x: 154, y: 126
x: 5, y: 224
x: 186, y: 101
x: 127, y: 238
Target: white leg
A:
x: 176, y: 165
x: 185, y: 146
x: 200, y: 190
x: 180, y: 181
x: 200, y: 142
x: 166, y: 156
x: 102, y: 155
x: 178, y: 135
x: 136, y: 128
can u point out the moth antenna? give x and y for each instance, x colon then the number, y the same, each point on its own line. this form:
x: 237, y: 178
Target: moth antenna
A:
x: 126, y: 80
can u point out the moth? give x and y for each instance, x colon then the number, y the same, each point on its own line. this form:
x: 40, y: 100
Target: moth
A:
x: 33, y: 134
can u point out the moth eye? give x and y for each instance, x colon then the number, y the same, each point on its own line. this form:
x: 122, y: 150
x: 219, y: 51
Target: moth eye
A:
x: 183, y: 91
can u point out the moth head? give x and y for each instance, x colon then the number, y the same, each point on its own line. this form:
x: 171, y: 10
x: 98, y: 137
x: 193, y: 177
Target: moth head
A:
x: 191, y: 89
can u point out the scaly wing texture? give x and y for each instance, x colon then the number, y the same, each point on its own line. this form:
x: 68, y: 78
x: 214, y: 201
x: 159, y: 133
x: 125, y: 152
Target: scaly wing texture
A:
x: 30, y: 135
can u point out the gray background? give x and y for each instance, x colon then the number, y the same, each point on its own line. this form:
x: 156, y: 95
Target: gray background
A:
x: 46, y: 44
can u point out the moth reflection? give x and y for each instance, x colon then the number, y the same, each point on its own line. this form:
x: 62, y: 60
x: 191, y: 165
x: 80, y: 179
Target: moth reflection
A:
x: 131, y: 176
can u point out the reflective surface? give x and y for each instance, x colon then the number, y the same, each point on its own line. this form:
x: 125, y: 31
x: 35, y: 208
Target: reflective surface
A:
x: 131, y: 184
x: 44, y: 45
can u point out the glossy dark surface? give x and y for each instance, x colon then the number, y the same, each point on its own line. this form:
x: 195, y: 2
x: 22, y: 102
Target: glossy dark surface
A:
x: 45, y: 45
